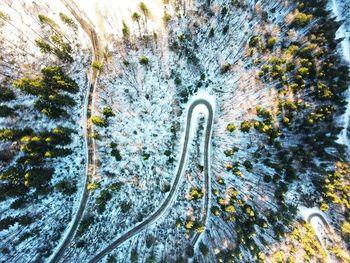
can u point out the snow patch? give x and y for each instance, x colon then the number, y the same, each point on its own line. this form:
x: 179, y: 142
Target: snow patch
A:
x: 341, y: 33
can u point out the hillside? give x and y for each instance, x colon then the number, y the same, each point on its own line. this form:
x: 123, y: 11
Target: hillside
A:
x: 174, y: 131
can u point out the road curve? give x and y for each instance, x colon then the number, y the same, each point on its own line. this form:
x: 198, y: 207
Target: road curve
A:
x: 89, y: 141
x: 320, y: 216
x: 323, y: 220
x: 180, y: 169
x: 325, y: 225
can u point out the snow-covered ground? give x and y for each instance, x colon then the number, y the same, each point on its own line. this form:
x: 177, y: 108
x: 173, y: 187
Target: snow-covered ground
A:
x: 117, y: 12
x: 341, y: 9
x: 54, y: 211
x: 149, y: 101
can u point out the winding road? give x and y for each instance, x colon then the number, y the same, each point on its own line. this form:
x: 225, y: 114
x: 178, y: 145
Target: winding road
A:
x: 181, y: 167
x: 88, y: 140
x: 326, y: 226
x: 90, y: 153
x: 320, y: 216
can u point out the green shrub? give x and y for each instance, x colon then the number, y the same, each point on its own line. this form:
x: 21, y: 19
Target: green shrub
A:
x: 231, y: 151
x: 245, y: 126
x: 303, y: 71
x: 177, y: 81
x: 115, y: 151
x: 66, y: 187
x: 102, y: 200
x: 144, y: 9
x: 108, y: 112
x: 345, y: 231
x: 125, y: 206
x: 46, y: 20
x: 84, y: 225
x: 265, y: 69
x: 97, y: 65
x: 211, y: 33
x: 203, y: 249
x: 230, y: 127
x: 254, y: 40
x: 98, y: 121
x: 125, y: 29
x: 225, y: 30
x: 181, y: 37
x: 92, y: 186
x: 247, y: 164
x: 136, y: 17
x: 215, y: 210
x: 134, y: 256
x: 189, y: 224
x: 150, y: 259
x: 167, y: 153
x: 195, y: 193
x: 324, y: 207
x: 166, y: 18
x: 6, y: 94
x: 6, y: 111
x: 301, y: 19
x: 48, y: 88
x: 115, y: 186
x: 143, y: 60
x: 271, y: 42
x: 225, y: 68
x: 68, y: 21
x: 146, y: 156
x: 18, y: 203
x: 111, y: 259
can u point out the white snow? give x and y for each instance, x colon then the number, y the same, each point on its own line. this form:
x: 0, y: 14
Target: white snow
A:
x: 121, y: 10
x: 341, y: 33
x: 147, y: 104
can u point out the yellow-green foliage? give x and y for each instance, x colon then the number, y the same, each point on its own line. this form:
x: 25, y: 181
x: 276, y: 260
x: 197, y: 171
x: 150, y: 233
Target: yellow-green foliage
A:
x: 278, y: 257
x: 143, y: 60
x: 92, y: 186
x: 98, y: 121
x: 292, y: 50
x: 245, y: 126
x: 345, y: 228
x: 144, y: 9
x: 271, y: 42
x: 324, y: 207
x: 337, y: 185
x: 302, y: 19
x: 97, y: 65
x: 340, y: 254
x: 125, y: 29
x: 230, y: 209
x: 230, y: 127
x: 200, y: 229
x: 166, y: 18
x: 195, y: 193
x: 189, y: 224
x: 5, y: 16
x: 306, y: 238
x: 302, y: 246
